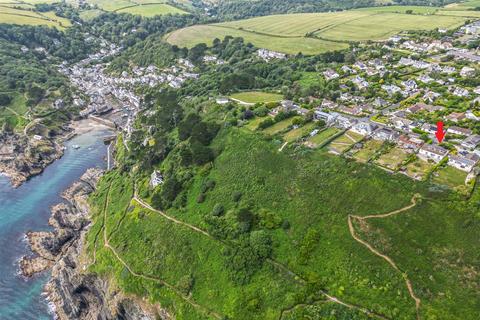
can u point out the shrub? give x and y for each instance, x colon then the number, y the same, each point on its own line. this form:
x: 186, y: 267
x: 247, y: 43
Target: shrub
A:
x: 237, y: 195
x: 218, y: 210
x: 261, y: 111
x: 266, y: 123
x: 201, y: 197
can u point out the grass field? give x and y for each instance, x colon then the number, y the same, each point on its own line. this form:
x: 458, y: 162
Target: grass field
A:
x: 288, y: 33
x: 150, y: 10
x: 418, y: 169
x: 256, y: 96
x: 191, y: 36
x: 24, y: 14
x: 296, y: 134
x: 392, y: 159
x: 322, y: 137
x: 253, y: 124
x: 368, y: 150
x: 450, y: 177
x: 14, y: 113
x: 279, y: 126
x: 345, y: 141
x: 466, y: 5
x: 472, y: 14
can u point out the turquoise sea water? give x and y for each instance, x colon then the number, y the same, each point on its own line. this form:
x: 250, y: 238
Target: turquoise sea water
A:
x: 28, y: 208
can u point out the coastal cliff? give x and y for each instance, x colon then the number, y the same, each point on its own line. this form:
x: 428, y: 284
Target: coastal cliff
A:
x: 72, y: 291
x: 22, y: 157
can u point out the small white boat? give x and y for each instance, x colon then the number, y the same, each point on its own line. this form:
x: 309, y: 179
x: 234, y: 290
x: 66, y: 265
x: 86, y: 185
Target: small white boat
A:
x: 76, y: 146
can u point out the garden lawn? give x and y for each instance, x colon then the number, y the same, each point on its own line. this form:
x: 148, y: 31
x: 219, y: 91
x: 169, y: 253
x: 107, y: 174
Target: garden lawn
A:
x: 322, y: 137
x: 254, y: 123
x: 345, y: 141
x: 418, y: 169
x: 256, y: 97
x: 368, y: 150
x: 449, y: 176
x: 279, y: 126
x: 392, y: 159
x: 298, y: 133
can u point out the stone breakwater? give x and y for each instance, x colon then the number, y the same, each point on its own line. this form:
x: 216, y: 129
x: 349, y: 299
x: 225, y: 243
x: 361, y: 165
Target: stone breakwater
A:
x: 72, y: 291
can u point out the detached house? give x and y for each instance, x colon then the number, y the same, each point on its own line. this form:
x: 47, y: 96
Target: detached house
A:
x: 410, y: 85
x: 354, y: 110
x: 344, y: 122
x: 467, y: 72
x: 411, y: 144
x: 456, y: 116
x: 471, y: 142
x: 386, y: 134
x: 461, y: 163
x: 364, y: 128
x: 156, y: 179
x: 330, y: 74
x: 328, y: 104
x: 432, y: 152
x: 328, y: 118
x: 460, y: 92
x: 459, y: 131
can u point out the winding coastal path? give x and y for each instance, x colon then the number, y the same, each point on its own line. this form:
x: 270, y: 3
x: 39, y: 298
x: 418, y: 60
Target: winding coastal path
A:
x: 106, y: 239
x: 357, y: 238
x: 276, y: 264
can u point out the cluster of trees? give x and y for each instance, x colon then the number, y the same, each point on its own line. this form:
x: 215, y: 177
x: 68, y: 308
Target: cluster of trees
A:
x: 61, y: 9
x: 128, y: 29
x: 152, y: 51
x: 248, y: 255
x: 66, y: 45
x: 26, y: 72
x: 199, y: 135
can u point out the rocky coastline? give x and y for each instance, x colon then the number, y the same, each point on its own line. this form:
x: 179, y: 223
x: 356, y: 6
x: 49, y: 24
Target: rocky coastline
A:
x: 23, y: 156
x: 72, y: 291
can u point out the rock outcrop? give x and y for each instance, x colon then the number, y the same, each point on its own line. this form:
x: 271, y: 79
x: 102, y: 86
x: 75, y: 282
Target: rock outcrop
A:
x: 74, y: 293
x: 22, y: 157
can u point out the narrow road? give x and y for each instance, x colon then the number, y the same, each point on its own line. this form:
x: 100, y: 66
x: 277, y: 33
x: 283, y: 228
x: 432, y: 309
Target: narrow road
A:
x: 357, y: 238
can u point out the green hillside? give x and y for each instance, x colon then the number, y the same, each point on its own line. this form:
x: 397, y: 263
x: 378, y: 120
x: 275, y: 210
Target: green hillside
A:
x: 288, y: 234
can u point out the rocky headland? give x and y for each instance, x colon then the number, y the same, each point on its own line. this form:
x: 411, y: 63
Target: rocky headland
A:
x: 23, y: 156
x: 75, y: 293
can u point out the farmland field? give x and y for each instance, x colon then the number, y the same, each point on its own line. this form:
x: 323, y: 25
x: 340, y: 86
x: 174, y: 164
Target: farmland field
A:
x: 191, y: 36
x: 312, y: 33
x: 151, y: 10
x: 146, y: 8
x: 467, y: 5
x: 23, y: 13
x: 256, y: 96
x: 471, y: 13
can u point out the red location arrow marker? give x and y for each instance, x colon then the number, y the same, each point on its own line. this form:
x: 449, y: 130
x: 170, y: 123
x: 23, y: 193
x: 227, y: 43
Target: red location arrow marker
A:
x: 440, y: 134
